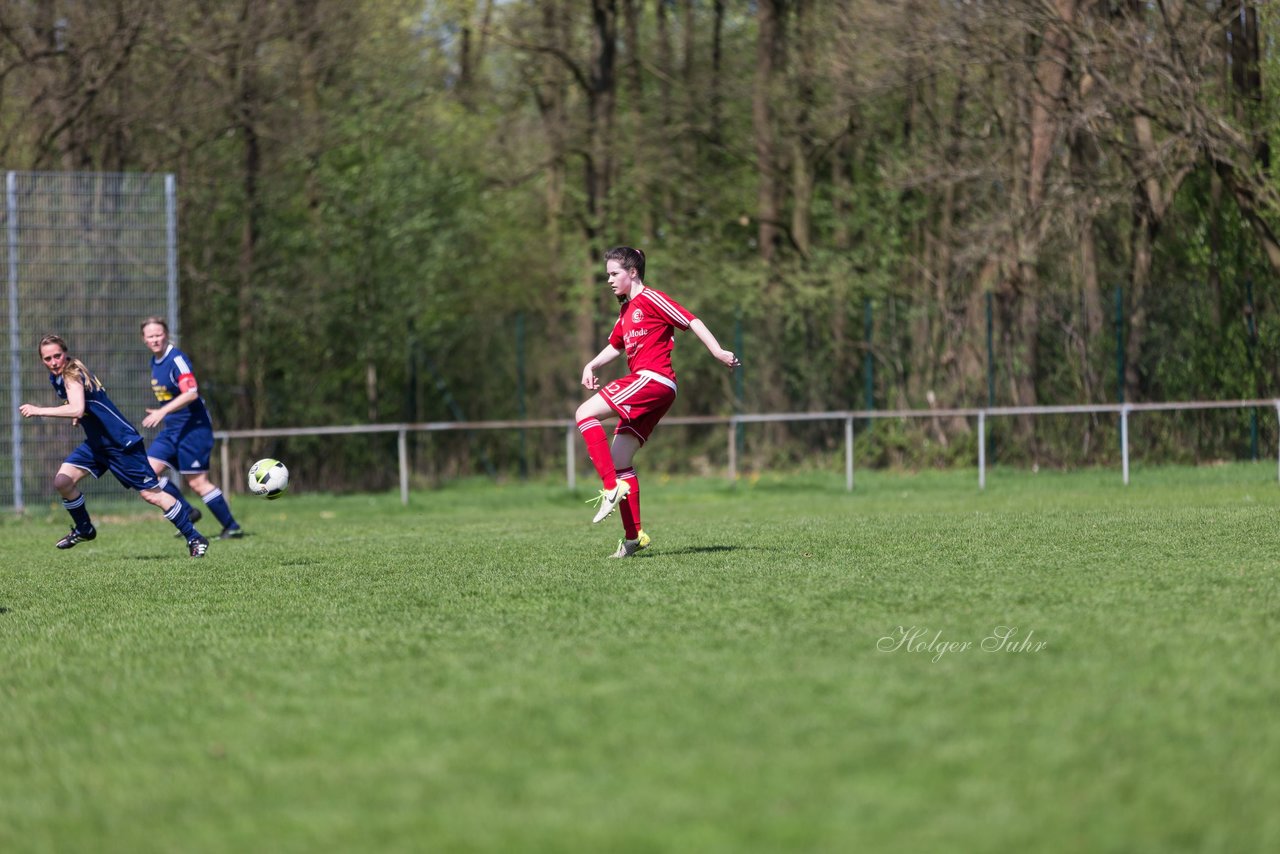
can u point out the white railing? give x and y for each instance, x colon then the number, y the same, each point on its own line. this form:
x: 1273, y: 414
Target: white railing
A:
x: 572, y: 439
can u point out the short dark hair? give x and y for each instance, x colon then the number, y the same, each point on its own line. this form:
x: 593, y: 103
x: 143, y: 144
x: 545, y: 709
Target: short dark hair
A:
x: 632, y: 259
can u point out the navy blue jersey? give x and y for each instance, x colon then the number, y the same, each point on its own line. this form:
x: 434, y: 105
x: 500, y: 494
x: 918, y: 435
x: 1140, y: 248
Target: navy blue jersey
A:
x: 104, y: 425
x: 171, y: 375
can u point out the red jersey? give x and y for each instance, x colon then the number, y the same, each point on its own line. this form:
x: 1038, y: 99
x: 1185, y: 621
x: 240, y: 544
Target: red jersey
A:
x: 645, y: 331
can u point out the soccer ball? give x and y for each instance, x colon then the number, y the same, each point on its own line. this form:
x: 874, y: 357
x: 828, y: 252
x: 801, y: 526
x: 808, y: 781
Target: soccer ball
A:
x: 268, y: 479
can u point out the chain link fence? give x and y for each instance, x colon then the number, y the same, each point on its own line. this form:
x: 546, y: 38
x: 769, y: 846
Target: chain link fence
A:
x: 86, y: 256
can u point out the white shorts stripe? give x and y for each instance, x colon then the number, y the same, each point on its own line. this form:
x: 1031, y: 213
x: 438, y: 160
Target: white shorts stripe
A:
x: 654, y: 375
x: 630, y: 390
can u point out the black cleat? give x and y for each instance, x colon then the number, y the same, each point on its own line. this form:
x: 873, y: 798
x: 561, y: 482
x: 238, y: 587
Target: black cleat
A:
x: 198, y: 545
x: 194, y: 515
x: 77, y: 536
x: 231, y: 532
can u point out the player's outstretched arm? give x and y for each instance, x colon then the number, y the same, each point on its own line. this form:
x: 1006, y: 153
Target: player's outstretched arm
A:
x: 73, y: 408
x: 725, y: 357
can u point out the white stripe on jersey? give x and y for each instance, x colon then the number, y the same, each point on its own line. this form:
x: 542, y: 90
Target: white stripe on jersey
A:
x: 181, y: 364
x: 668, y: 309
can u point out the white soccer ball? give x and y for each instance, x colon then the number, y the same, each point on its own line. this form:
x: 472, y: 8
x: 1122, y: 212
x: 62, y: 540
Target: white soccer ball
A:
x: 268, y: 479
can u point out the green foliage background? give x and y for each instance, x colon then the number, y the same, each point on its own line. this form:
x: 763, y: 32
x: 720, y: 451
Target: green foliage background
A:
x: 377, y: 196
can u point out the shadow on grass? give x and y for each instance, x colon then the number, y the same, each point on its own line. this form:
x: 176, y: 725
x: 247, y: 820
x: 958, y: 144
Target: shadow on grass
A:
x: 698, y: 550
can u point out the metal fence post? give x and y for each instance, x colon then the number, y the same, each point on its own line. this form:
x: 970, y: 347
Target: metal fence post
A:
x: 15, y: 366
x: 402, y: 448
x: 571, y: 463
x: 982, y: 449
x: 171, y: 252
x: 1124, y: 440
x: 224, y: 459
x: 848, y: 454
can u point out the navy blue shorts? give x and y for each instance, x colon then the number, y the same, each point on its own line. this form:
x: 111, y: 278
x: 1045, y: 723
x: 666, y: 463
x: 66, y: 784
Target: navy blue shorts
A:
x: 187, y: 451
x: 129, y: 465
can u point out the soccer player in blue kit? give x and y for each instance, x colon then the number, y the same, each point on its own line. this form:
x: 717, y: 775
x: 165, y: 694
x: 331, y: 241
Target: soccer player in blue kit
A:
x: 185, y: 444
x: 111, y: 443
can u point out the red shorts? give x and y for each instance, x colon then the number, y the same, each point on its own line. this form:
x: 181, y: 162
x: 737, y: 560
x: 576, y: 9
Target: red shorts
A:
x: 640, y: 401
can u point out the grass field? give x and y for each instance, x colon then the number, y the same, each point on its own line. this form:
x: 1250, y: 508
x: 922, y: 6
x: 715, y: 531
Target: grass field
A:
x: 784, y: 670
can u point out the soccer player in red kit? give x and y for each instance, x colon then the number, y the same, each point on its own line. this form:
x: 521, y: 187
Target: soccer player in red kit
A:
x: 645, y: 331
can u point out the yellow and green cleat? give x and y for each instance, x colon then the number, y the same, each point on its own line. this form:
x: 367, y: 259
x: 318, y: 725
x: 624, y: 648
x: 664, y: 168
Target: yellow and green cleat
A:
x: 628, y: 548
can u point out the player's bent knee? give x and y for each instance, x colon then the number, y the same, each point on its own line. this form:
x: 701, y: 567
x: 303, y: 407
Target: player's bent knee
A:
x: 594, y: 407
x: 157, y: 497
x: 63, y: 483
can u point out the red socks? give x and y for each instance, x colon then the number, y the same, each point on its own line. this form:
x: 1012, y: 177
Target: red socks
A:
x: 629, y: 510
x: 602, y: 458
x: 598, y: 449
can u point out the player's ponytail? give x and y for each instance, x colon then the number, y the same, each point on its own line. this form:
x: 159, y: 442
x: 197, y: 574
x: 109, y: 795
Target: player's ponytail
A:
x: 82, y: 373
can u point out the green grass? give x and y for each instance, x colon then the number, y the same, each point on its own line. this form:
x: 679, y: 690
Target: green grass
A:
x: 469, y: 673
